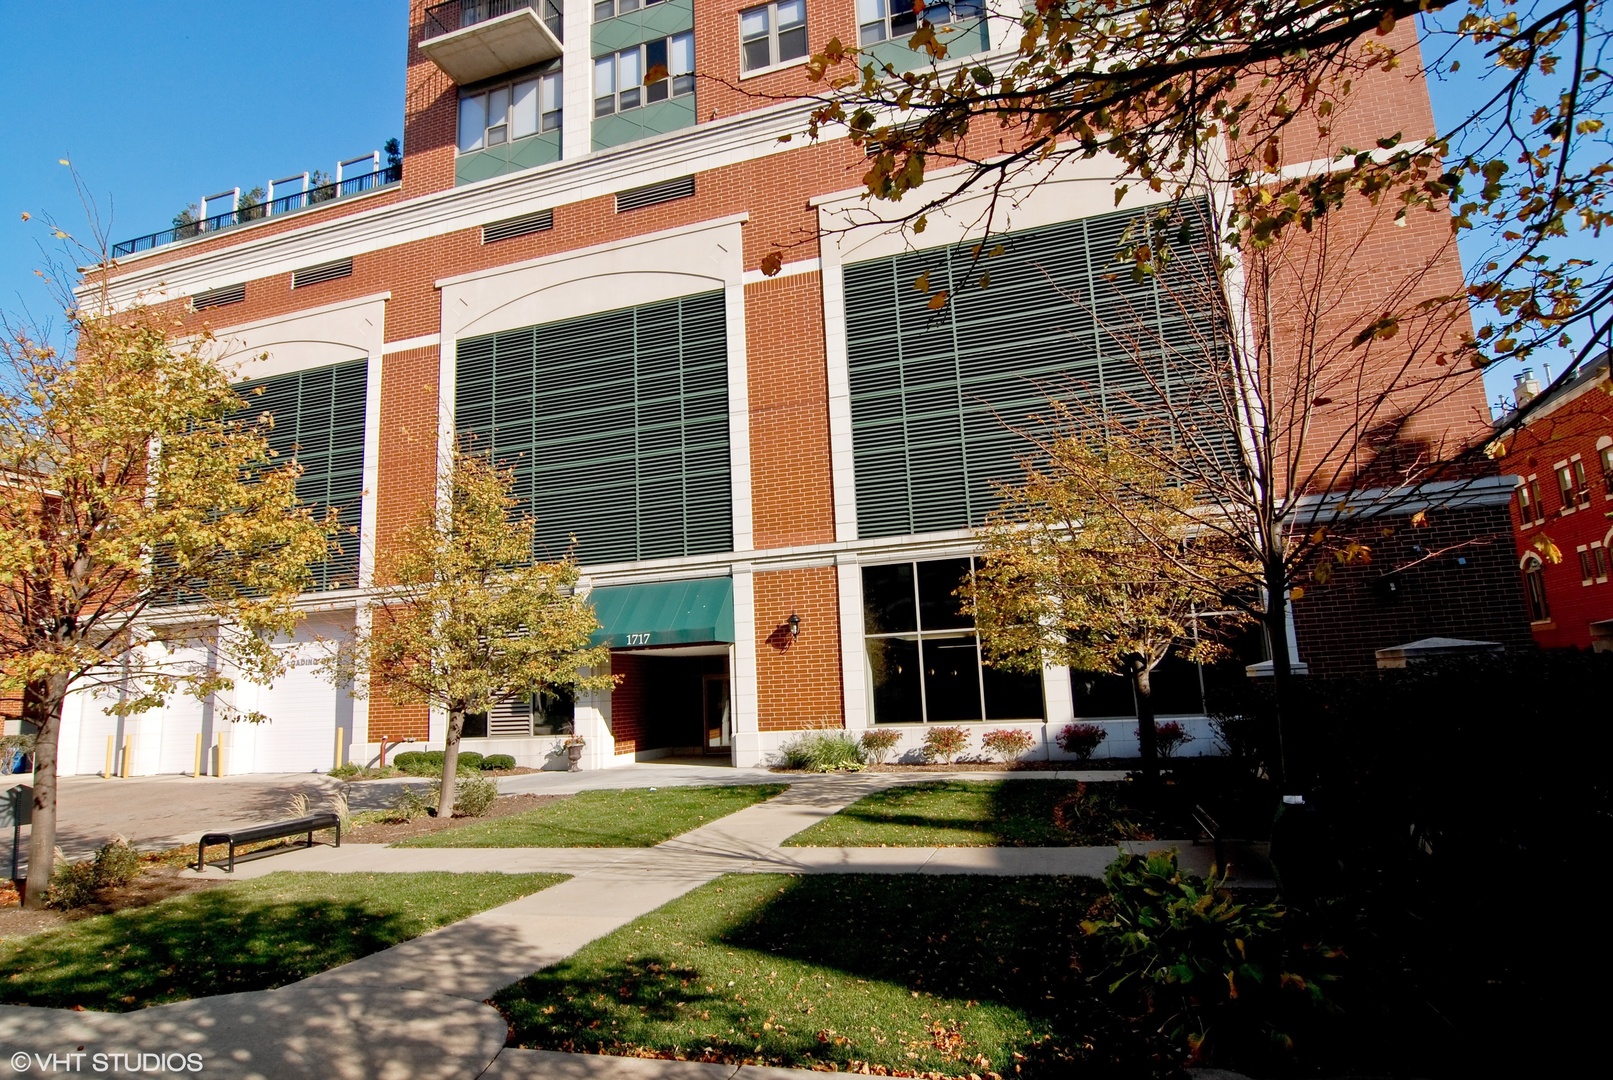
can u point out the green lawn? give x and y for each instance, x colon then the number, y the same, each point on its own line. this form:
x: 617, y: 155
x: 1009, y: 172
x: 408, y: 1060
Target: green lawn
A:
x: 635, y: 817
x: 249, y: 935
x: 952, y: 974
x: 1001, y: 813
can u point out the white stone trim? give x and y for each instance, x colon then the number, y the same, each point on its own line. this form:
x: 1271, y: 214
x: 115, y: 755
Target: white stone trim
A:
x: 371, y: 470
x: 739, y: 432
x: 837, y: 378
x: 301, y: 340
x: 853, y: 657
x: 789, y: 269
x: 423, y: 341
x: 742, y: 669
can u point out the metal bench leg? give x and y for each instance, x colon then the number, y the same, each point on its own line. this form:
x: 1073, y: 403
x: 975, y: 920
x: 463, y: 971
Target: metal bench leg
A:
x: 201, y: 859
x: 232, y: 857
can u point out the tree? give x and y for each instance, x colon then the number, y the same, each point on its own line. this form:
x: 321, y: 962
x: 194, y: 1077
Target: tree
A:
x: 1181, y: 95
x: 1071, y: 570
x: 471, y: 620
x: 140, y: 511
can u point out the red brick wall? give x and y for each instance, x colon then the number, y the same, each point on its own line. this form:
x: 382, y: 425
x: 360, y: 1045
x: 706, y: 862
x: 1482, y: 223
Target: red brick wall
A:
x: 798, y: 678
x: 627, y: 701
x: 1341, y: 624
x: 792, y: 501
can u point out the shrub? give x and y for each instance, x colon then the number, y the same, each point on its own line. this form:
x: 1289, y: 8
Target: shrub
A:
x: 429, y: 762
x: 1211, y: 971
x: 1007, y: 743
x: 1169, y: 737
x: 468, y: 759
x: 498, y: 761
x: 346, y: 772
x: 1081, y: 739
x: 877, y: 743
x: 74, y: 885
x: 945, y: 743
x: 410, y: 803
x: 822, y: 751
x: 473, y: 795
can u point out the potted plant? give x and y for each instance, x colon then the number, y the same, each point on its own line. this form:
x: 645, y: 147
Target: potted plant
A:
x: 574, y: 745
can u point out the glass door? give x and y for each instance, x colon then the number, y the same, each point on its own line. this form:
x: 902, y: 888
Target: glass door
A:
x: 718, y: 714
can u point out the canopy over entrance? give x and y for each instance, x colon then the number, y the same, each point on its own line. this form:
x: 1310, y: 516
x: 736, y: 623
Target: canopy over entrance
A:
x: 664, y: 613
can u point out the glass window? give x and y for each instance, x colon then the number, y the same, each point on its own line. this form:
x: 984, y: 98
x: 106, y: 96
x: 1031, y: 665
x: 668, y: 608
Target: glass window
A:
x: 1607, y: 469
x: 498, y: 113
x: 472, y: 123
x: 923, y: 654
x: 665, y: 64
x: 1587, y: 571
x: 609, y: 9
x: 524, y: 110
x: 1526, y: 505
x: 506, y: 113
x: 772, y: 34
x: 1534, y: 591
x: 656, y: 73
x: 604, y: 86
x: 892, y: 20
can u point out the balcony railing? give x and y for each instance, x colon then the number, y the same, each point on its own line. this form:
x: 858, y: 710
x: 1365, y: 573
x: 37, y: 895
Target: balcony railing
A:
x: 458, y: 14
x: 243, y: 215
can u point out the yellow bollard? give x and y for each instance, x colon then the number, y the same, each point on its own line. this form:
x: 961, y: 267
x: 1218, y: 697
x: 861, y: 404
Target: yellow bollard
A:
x: 107, y: 772
x: 128, y: 743
x: 338, y: 748
x: 223, y: 760
x: 197, y: 772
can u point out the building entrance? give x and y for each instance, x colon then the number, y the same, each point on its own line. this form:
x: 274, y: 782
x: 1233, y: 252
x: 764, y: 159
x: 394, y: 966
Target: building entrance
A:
x: 672, y: 702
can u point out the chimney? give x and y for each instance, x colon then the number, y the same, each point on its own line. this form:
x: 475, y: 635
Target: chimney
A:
x: 1526, y: 388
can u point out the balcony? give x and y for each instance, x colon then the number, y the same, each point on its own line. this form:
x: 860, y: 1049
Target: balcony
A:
x: 472, y: 40
x: 344, y: 186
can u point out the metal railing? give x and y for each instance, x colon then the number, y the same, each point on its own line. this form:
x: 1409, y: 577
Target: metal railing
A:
x: 241, y: 215
x: 457, y: 14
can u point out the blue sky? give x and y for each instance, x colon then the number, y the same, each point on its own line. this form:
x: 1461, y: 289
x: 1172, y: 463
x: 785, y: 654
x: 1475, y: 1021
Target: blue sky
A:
x: 159, y: 102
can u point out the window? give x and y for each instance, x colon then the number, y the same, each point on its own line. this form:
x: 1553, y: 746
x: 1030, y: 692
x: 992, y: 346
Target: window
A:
x: 1607, y: 470
x: 609, y: 9
x: 1529, y: 501
x: 1534, y: 590
x: 1573, y: 486
x: 772, y: 33
x: 666, y: 64
x: 924, y: 656
x: 1593, y: 564
x: 893, y: 20
x: 505, y: 113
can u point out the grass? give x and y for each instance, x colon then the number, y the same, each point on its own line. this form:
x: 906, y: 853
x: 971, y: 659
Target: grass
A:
x: 952, y: 975
x: 250, y: 935
x: 1003, y: 813
x: 635, y: 817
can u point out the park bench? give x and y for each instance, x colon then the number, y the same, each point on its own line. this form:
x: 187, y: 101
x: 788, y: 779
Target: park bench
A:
x: 274, y: 830
x: 1211, y: 828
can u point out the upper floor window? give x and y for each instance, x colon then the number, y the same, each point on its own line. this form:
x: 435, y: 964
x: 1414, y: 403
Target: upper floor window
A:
x: 497, y: 116
x: 1593, y: 564
x: 894, y: 20
x: 609, y: 9
x: 1607, y: 469
x: 1534, y: 590
x: 1572, y: 485
x: 653, y: 71
x: 772, y: 33
x: 1530, y: 509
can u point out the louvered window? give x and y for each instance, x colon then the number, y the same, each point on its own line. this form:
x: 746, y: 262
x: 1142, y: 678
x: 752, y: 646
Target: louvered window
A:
x: 654, y: 194
x: 229, y: 294
x: 517, y: 226
x: 616, y: 426
x: 314, y: 275
x: 934, y: 390
x: 319, y: 422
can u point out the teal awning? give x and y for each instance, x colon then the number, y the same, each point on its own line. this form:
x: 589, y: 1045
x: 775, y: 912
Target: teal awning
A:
x: 664, y: 613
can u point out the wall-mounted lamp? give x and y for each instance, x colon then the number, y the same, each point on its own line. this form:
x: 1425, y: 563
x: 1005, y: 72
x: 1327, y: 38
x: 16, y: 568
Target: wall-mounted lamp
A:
x: 795, y: 625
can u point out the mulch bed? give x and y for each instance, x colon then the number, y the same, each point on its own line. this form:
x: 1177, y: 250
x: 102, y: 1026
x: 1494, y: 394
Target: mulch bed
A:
x: 157, y: 881
x: 392, y: 832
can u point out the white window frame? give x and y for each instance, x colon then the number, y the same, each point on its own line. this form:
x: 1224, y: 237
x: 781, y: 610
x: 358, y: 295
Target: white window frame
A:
x: 609, y: 81
x: 772, y: 34
x: 609, y: 9
x: 509, y: 94
x: 877, y: 19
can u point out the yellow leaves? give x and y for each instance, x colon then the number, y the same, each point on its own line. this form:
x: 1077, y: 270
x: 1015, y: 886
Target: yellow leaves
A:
x: 64, y: 161
x: 1296, y: 593
x: 772, y: 263
x: 938, y: 301
x: 1419, y: 520
x: 1548, y: 549
x: 26, y: 216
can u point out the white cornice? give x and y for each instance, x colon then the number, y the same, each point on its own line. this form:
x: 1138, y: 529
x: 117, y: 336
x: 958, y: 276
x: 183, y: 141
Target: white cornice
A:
x: 701, y: 148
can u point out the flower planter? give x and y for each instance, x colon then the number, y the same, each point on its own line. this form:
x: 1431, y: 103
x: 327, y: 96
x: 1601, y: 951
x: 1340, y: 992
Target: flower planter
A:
x: 574, y: 755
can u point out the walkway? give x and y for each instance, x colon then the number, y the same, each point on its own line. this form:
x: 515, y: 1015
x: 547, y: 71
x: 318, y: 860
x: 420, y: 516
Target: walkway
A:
x: 414, y: 1010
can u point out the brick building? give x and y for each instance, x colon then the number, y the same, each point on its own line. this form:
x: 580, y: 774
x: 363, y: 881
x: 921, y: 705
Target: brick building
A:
x: 772, y: 481
x: 1563, y: 455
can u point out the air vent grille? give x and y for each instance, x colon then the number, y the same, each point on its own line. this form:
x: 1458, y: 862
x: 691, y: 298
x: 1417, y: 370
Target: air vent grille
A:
x: 313, y: 275
x: 665, y: 191
x: 518, y: 226
x: 229, y: 294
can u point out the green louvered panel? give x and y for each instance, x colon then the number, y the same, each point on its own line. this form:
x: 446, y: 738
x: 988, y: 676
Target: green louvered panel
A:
x: 616, y: 426
x: 319, y: 422
x: 932, y: 392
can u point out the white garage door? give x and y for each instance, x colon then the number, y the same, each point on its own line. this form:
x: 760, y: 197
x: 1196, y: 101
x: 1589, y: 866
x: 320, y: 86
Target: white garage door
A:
x: 85, y: 727
x: 177, y: 723
x: 304, y: 711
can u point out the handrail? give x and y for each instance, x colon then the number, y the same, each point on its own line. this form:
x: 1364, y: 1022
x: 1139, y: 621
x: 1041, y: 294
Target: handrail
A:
x: 458, y: 14
x: 297, y: 200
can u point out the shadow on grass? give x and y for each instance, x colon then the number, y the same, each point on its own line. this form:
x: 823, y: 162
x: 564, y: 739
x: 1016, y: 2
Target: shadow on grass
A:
x: 252, y: 936
x: 956, y: 975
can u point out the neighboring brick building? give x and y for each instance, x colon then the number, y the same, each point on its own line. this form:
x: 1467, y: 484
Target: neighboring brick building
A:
x: 772, y: 480
x: 1563, y: 455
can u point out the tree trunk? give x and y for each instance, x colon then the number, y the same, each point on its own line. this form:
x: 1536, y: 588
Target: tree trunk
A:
x: 450, y: 763
x: 1282, y: 673
x: 42, y: 707
x: 1147, y: 737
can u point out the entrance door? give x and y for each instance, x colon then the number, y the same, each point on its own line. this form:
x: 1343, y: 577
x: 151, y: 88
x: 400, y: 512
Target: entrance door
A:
x: 718, y: 713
